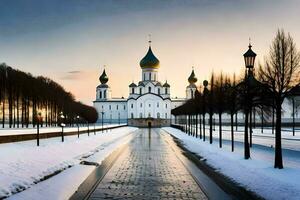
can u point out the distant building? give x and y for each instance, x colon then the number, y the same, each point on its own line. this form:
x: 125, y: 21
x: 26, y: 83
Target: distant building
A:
x: 149, y: 101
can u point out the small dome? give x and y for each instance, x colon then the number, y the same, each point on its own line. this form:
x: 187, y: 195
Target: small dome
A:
x: 103, y: 78
x: 166, y: 84
x: 149, y: 61
x: 132, y: 85
x: 192, y: 78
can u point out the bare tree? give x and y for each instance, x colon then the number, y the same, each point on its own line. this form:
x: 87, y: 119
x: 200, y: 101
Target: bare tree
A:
x: 281, y: 73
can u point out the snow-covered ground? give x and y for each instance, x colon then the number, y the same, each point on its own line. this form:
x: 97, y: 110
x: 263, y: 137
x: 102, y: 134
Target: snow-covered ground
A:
x: 23, y: 165
x: 31, y: 130
x: 256, y: 174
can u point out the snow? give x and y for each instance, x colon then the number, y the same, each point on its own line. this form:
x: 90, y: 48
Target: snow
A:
x: 256, y: 174
x: 23, y: 164
x: 31, y: 130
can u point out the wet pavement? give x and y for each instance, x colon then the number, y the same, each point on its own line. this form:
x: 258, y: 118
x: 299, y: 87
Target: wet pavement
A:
x: 148, y: 169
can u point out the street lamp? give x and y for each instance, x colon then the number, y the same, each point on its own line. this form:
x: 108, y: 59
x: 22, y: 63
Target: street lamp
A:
x: 39, y: 119
x: 62, y: 125
x: 249, y: 58
x: 77, y: 125
x: 205, y: 93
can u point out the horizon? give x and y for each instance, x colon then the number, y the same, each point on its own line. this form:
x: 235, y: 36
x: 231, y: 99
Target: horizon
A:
x: 71, y: 42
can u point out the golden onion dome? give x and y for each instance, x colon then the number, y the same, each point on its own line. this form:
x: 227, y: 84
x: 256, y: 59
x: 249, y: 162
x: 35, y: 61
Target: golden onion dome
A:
x: 149, y: 61
x: 103, y: 78
x: 192, y: 78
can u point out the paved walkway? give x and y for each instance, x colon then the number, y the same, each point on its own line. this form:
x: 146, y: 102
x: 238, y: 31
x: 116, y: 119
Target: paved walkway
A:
x: 148, y: 169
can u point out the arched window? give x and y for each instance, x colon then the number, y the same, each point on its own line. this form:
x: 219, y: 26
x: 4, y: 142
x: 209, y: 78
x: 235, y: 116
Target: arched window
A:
x: 158, y: 91
x: 100, y: 94
x: 166, y: 116
x: 140, y: 90
x: 166, y: 90
x: 149, y: 89
x: 131, y: 115
x: 149, y: 114
x: 157, y: 104
x: 158, y: 115
x: 132, y: 90
x: 155, y: 77
x: 192, y: 94
x: 144, y: 76
x: 141, y: 115
x: 104, y: 95
x: 150, y: 76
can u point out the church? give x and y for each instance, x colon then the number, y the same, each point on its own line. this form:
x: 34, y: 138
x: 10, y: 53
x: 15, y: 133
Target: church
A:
x: 149, y: 102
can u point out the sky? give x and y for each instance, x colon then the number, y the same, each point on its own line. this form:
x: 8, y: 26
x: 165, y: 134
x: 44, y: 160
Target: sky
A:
x: 71, y: 41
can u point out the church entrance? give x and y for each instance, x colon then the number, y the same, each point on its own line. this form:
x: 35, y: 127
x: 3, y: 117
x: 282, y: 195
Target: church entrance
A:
x: 149, y: 124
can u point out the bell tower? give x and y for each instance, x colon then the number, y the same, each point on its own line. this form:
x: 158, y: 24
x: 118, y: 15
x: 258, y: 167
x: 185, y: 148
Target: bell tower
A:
x: 103, y: 91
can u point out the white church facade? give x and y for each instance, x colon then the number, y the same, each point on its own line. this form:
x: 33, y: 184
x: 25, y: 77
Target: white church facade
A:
x: 149, y: 101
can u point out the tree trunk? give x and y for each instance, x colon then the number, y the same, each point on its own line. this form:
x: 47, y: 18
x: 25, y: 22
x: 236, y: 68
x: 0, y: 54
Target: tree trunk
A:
x: 250, y: 126
x: 3, y: 113
x: 210, y: 127
x: 273, y: 117
x: 204, y: 127
x: 232, y: 133
x: 200, y: 127
x: 196, y: 122
x: 278, y: 149
x: 262, y: 119
x: 254, y: 122
x: 236, y: 121
x: 246, y: 142
x: 293, y: 100
x: 220, y: 130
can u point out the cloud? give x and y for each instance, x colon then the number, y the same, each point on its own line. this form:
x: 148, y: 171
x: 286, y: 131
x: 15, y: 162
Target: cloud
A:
x: 72, y: 75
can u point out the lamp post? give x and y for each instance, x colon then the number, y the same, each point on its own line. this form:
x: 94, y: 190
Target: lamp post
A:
x: 94, y: 129
x: 102, y: 116
x: 62, y: 125
x: 249, y: 58
x: 205, y: 93
x: 88, y: 128
x: 77, y: 120
x: 38, y: 117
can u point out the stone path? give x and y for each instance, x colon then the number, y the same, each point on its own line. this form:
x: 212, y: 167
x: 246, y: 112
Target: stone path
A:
x: 148, y: 169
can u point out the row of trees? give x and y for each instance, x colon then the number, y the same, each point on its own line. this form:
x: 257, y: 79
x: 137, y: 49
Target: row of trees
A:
x: 262, y: 92
x: 23, y: 96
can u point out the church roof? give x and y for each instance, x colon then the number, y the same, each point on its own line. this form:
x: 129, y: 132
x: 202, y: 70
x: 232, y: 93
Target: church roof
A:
x: 192, y: 78
x: 132, y: 85
x: 103, y: 78
x: 158, y: 84
x: 141, y: 83
x: 149, y: 61
x: 166, y: 84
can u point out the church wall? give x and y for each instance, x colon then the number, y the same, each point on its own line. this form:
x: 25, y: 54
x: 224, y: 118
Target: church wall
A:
x: 149, y: 104
x: 113, y: 110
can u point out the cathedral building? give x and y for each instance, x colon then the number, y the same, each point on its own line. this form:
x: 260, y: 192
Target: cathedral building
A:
x: 149, y: 102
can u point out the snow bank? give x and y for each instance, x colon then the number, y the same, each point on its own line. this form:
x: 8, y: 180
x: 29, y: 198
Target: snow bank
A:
x: 23, y: 164
x: 256, y: 174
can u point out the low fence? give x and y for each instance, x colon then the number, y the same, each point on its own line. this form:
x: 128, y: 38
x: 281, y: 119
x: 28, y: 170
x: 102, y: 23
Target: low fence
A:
x: 33, y: 136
